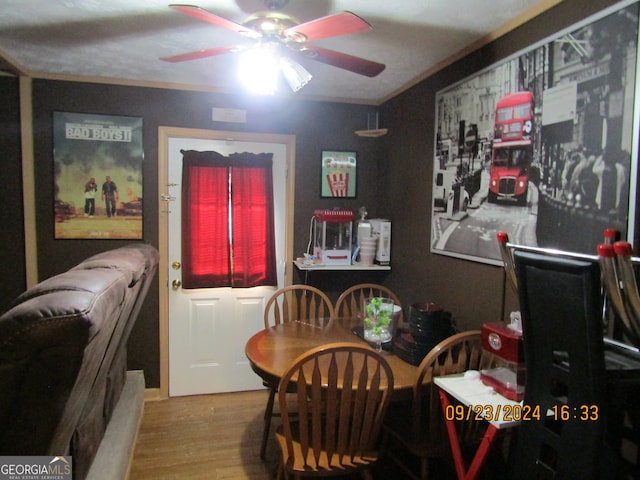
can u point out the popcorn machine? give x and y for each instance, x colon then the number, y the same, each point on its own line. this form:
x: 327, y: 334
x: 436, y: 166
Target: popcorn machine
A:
x: 332, y: 236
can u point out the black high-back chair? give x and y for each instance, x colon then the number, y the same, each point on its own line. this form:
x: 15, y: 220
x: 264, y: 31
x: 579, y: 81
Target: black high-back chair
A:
x: 561, y: 307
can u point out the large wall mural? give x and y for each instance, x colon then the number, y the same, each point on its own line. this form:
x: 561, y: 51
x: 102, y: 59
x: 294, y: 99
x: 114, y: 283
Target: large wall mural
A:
x: 542, y: 145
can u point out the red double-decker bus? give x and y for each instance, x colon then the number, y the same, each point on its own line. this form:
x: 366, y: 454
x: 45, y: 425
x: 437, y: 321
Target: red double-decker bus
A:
x: 512, y: 149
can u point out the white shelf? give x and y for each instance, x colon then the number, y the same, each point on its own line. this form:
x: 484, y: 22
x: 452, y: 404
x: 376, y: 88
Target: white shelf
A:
x: 354, y: 267
x: 372, y: 133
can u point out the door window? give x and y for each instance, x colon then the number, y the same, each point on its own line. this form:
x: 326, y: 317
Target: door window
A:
x: 228, y: 237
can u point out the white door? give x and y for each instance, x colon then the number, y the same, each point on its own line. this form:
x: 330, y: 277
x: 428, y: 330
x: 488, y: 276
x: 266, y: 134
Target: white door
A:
x: 208, y: 328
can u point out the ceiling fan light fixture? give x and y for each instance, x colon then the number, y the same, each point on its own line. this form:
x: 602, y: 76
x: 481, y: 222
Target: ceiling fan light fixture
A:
x: 258, y: 70
x: 295, y: 74
x: 278, y: 34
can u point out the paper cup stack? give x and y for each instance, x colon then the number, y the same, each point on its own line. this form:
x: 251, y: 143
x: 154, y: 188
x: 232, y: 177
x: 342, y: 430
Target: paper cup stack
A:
x: 367, y: 250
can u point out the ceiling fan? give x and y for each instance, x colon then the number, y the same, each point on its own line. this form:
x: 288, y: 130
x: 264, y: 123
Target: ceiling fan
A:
x: 282, y: 34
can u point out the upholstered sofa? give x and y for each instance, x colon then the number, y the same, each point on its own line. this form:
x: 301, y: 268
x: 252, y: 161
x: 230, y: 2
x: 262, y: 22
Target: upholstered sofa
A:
x: 64, y: 384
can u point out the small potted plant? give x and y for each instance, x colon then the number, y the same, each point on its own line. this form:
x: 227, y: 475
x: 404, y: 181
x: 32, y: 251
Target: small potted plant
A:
x: 377, y: 321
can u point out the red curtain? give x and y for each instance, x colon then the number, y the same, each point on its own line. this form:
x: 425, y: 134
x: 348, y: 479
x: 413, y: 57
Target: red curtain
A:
x: 228, y: 235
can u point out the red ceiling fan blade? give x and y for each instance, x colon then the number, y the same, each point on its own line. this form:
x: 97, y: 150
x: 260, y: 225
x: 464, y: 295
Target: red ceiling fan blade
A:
x: 357, y: 65
x: 202, y: 14
x: 210, y: 52
x: 341, y: 23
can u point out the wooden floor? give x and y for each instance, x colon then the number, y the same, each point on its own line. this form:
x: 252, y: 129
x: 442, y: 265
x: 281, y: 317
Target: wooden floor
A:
x: 214, y: 437
x: 203, y: 437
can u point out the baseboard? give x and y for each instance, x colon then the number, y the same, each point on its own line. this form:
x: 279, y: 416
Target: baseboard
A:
x: 153, y: 394
x: 115, y: 453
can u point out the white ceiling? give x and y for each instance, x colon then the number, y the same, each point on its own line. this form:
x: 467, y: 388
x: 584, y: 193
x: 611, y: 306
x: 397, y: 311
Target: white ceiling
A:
x: 122, y: 40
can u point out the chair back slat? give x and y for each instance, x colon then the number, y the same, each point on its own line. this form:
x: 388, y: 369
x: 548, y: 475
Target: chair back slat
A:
x: 332, y: 399
x: 287, y: 299
x: 358, y: 411
x: 315, y: 437
x: 277, y: 314
x: 347, y: 399
x: 368, y: 423
x: 305, y: 311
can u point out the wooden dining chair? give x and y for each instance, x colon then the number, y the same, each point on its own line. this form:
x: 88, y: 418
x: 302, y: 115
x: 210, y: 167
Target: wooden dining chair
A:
x: 350, y: 303
x: 417, y: 426
x: 295, y: 302
x: 343, y: 391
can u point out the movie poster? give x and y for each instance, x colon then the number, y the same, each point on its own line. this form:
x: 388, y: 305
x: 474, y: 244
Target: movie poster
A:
x: 97, y: 176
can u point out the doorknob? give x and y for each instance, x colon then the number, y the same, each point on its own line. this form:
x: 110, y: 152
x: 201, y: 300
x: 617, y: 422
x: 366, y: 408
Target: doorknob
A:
x: 176, y: 284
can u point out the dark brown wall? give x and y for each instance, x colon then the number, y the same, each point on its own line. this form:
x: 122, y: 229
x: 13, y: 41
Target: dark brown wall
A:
x: 472, y: 291
x: 317, y: 126
x: 13, y: 281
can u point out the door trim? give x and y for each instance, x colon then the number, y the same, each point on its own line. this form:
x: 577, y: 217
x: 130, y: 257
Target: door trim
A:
x: 164, y: 133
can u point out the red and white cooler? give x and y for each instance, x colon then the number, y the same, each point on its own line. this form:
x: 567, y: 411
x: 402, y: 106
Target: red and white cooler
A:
x: 507, y: 377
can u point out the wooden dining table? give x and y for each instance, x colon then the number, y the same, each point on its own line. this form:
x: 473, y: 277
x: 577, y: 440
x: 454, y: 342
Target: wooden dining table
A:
x: 271, y: 351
